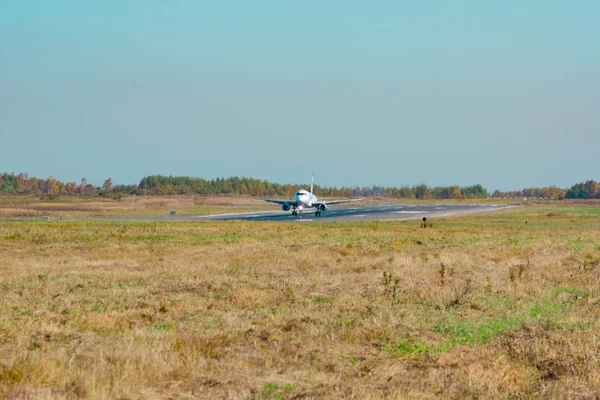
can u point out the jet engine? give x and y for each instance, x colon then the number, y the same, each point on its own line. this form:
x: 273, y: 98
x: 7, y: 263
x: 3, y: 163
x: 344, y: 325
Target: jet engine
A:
x: 323, y: 207
x: 285, y: 207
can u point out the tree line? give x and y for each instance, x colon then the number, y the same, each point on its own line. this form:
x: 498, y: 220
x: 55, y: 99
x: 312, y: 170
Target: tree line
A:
x: 15, y: 184
x: 583, y: 190
x: 168, y: 185
x: 550, y: 192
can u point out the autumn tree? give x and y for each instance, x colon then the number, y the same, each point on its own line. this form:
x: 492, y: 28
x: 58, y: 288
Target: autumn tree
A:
x: 108, y: 185
x: 71, y: 188
x: 455, y: 193
x: 51, y: 187
x: 82, y: 186
x: 23, y: 182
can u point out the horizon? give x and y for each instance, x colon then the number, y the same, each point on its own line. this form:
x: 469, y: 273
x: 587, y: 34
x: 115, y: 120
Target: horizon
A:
x: 503, y: 95
x: 316, y: 183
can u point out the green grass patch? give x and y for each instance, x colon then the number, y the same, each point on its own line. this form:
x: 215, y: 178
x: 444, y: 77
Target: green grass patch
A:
x: 167, y: 326
x: 96, y: 308
x: 275, y: 391
x: 502, y: 315
x: 549, y: 310
x: 323, y: 299
x: 476, y: 331
x: 342, y: 322
x: 574, y: 292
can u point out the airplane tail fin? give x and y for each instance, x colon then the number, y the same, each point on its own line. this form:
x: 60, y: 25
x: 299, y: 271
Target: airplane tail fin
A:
x: 312, y: 181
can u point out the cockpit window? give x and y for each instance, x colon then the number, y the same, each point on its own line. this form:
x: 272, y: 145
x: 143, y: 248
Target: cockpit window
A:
x: 299, y: 194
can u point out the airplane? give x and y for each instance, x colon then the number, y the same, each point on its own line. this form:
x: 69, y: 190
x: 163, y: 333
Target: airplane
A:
x: 306, y: 199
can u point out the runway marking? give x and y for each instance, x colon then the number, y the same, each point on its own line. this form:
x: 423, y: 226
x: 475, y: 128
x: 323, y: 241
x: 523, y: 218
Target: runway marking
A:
x: 408, y: 212
x: 358, y: 215
x: 439, y: 208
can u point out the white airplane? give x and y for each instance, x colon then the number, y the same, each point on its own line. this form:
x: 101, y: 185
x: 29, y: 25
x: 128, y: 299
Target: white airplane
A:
x: 306, y: 199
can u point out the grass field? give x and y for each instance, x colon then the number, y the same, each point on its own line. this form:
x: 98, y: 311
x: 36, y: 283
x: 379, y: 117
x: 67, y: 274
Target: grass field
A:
x: 67, y: 207
x: 497, y: 305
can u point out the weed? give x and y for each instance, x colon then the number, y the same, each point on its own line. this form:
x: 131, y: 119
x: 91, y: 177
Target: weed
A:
x: 516, y: 272
x: 288, y: 292
x: 590, y: 262
x: 390, y: 286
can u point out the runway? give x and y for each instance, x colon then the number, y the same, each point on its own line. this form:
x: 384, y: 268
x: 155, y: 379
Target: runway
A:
x: 353, y: 213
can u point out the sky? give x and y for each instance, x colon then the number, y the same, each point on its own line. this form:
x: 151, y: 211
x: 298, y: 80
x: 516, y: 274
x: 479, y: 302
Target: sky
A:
x: 506, y: 94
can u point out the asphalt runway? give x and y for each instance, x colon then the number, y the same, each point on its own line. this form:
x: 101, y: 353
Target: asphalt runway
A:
x: 380, y: 212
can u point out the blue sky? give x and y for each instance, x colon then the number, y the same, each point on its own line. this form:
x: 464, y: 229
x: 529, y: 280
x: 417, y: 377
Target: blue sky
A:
x: 505, y: 94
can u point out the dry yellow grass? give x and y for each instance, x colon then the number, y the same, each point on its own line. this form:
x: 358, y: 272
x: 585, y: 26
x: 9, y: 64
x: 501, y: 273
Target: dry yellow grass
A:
x: 78, y: 207
x: 478, y: 306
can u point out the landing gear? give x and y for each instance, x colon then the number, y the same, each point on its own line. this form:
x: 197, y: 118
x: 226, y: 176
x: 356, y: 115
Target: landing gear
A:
x: 317, y: 213
x: 294, y: 212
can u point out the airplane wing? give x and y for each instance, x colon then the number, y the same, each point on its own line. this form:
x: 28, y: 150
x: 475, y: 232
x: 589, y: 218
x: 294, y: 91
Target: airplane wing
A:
x: 290, y: 202
x: 337, y: 201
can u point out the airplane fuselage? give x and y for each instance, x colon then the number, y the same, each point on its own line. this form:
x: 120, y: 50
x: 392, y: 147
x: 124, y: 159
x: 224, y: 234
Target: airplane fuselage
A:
x: 304, y: 198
